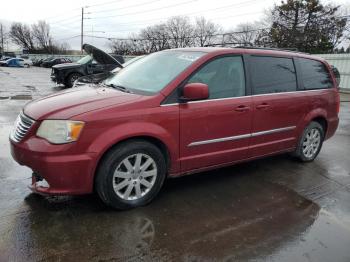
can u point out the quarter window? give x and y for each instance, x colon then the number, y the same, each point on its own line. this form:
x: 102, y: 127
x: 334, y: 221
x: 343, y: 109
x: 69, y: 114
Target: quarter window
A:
x: 315, y: 74
x: 224, y: 77
x: 273, y: 75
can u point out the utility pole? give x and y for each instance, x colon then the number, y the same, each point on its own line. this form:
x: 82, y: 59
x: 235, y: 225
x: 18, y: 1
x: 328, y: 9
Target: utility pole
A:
x: 2, y: 38
x: 82, y: 30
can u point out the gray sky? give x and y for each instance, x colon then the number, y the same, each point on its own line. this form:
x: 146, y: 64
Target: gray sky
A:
x: 119, y: 18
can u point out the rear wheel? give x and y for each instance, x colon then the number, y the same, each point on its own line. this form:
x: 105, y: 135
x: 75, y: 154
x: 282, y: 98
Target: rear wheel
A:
x: 131, y: 174
x: 310, y: 143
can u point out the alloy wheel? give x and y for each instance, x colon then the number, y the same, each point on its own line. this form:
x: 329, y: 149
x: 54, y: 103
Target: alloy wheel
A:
x: 311, y: 143
x: 135, y: 176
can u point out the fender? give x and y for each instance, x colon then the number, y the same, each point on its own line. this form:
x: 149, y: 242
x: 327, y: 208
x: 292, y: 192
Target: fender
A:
x: 315, y: 113
x: 126, y: 131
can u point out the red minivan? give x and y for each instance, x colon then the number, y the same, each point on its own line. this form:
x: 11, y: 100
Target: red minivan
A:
x: 172, y: 113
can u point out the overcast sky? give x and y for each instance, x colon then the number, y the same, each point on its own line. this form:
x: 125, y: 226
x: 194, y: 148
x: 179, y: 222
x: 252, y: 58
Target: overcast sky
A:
x: 119, y: 18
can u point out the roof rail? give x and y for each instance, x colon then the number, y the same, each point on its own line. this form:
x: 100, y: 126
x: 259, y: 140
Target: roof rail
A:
x: 292, y: 50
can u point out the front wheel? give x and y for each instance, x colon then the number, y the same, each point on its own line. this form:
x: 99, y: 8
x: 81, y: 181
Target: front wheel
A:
x: 71, y: 79
x: 310, y: 143
x: 131, y: 174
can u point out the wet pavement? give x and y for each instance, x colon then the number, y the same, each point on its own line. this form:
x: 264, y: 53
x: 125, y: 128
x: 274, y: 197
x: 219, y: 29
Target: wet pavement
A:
x: 273, y: 209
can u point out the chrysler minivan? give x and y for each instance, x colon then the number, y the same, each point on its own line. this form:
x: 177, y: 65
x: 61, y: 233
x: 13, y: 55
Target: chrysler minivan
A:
x: 172, y: 113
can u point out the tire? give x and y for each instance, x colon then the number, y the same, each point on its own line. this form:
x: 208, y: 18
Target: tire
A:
x: 121, y: 189
x: 314, y: 145
x: 71, y: 78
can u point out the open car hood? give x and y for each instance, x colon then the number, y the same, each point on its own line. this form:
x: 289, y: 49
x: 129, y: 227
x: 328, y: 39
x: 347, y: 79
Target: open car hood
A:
x: 100, y: 56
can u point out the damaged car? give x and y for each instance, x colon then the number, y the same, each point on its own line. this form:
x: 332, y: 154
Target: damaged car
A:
x: 96, y: 61
x: 98, y: 78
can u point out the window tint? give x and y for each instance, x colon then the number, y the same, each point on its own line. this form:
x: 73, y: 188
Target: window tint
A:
x: 273, y: 75
x: 315, y: 74
x: 224, y: 77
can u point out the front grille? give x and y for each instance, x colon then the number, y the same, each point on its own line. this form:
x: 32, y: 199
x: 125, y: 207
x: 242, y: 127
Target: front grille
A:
x: 21, y: 127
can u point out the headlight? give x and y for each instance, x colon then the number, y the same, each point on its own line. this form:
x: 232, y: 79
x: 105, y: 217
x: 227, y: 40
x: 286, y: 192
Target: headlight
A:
x: 60, y: 131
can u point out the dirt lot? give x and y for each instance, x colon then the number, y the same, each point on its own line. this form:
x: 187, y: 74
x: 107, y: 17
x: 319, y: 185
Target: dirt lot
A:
x: 273, y: 209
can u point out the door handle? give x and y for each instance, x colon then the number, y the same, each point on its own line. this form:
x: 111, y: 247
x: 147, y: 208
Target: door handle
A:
x: 262, y: 106
x: 242, y: 108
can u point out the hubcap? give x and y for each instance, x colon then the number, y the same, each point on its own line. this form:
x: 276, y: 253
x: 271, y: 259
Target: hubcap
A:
x: 311, y: 143
x: 135, y: 176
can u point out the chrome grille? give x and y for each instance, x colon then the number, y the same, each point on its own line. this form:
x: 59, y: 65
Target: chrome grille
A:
x: 21, y: 127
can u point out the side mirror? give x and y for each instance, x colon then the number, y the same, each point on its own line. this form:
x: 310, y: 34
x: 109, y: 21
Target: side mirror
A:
x: 195, y: 91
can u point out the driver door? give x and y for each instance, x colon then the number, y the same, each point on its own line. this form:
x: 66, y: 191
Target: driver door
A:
x: 216, y: 130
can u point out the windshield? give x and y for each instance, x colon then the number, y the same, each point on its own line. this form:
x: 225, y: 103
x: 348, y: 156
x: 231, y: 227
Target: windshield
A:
x: 153, y: 72
x: 129, y: 62
x: 84, y: 60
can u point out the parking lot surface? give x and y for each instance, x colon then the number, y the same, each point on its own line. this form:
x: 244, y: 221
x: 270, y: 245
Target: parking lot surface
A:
x: 274, y: 209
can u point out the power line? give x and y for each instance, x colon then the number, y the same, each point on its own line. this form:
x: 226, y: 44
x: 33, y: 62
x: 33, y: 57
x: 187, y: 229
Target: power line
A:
x: 236, y: 5
x: 105, y: 3
x: 172, y: 38
x: 143, y: 23
x: 146, y: 11
x: 125, y: 7
x: 190, y: 13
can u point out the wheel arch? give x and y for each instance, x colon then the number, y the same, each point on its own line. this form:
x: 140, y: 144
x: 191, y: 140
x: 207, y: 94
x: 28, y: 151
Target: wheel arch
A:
x: 148, y: 138
x: 322, y: 121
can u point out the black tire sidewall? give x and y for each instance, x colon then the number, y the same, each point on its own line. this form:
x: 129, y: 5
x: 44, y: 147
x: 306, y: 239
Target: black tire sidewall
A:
x: 104, y: 178
x: 299, y: 151
x: 69, y: 79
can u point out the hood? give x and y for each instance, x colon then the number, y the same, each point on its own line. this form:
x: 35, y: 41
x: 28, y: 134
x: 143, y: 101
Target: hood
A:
x: 66, y: 65
x: 100, y: 56
x: 75, y: 101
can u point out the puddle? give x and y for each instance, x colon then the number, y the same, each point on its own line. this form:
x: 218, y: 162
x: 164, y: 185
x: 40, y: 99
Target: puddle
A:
x: 17, y: 97
x: 32, y: 88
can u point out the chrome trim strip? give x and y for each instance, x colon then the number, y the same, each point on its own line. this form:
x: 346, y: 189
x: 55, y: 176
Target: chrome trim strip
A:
x: 230, y: 138
x: 273, y: 131
x: 226, y: 98
x: 217, y: 140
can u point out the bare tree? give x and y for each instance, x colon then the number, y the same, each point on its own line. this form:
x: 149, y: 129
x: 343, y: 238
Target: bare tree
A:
x: 42, y: 37
x: 21, y: 35
x: 122, y: 47
x: 205, y: 32
x: 180, y: 31
x: 155, y: 38
x: 245, y: 34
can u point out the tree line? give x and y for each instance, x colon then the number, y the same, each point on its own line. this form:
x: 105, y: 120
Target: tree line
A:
x: 304, y: 25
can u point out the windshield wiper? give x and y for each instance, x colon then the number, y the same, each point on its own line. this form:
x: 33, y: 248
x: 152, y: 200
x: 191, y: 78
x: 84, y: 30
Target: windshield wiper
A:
x: 121, y: 88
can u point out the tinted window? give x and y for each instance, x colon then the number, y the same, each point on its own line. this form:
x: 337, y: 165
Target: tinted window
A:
x: 273, y: 75
x: 315, y: 74
x: 224, y: 77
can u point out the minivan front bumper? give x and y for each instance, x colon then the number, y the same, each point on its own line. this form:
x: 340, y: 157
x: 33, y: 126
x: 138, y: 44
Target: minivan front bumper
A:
x: 66, y: 174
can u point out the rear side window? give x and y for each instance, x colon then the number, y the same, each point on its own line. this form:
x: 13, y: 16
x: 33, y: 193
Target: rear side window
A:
x: 224, y: 77
x: 315, y: 74
x: 272, y: 75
